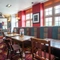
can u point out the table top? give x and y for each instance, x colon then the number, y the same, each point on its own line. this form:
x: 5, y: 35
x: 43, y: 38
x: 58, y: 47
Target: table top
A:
x: 22, y: 38
x: 11, y: 34
x: 54, y: 43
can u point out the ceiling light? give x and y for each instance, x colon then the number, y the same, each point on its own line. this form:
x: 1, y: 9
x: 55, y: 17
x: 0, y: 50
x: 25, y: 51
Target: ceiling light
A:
x: 8, y: 5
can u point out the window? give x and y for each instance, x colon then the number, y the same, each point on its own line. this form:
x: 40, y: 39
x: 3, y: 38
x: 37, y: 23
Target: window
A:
x: 28, y: 23
x: 57, y: 9
x: 28, y: 16
x: 57, y: 21
x: 52, y: 13
x: 48, y: 21
x: 31, y: 15
x: 48, y: 11
x: 29, y: 20
x: 4, y: 23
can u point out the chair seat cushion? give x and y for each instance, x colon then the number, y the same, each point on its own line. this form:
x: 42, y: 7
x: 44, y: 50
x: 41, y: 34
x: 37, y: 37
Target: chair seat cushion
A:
x: 47, y: 55
x: 16, y: 47
x: 1, y: 37
x: 1, y: 40
x: 1, y: 46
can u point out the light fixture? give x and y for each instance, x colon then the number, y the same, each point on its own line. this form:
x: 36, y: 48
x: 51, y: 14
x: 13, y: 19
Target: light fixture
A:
x: 17, y: 17
x: 9, y: 19
x: 8, y: 5
x: 1, y: 15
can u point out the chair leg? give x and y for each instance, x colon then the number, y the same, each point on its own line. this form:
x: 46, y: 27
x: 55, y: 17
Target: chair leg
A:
x: 7, y: 54
x: 20, y: 53
x: 11, y: 55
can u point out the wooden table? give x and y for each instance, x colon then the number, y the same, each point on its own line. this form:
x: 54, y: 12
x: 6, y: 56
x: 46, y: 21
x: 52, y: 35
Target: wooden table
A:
x: 11, y: 34
x: 17, y: 37
x: 54, y: 43
x: 55, y: 46
x: 21, y: 39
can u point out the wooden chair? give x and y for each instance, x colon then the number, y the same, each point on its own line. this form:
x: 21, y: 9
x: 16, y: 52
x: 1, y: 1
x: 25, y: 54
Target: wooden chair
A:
x: 13, y: 50
x: 1, y: 39
x: 41, y: 49
x: 1, y: 36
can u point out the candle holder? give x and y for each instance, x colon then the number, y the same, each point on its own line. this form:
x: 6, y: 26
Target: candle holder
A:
x: 21, y: 34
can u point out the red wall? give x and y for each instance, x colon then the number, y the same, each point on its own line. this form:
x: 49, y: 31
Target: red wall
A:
x: 37, y: 8
x: 21, y: 22
x: 23, y: 18
x: 42, y: 14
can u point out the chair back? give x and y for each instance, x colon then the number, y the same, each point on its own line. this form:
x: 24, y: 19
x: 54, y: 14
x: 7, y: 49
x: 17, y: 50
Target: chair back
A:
x: 3, y: 34
x: 40, y: 49
x: 8, y: 44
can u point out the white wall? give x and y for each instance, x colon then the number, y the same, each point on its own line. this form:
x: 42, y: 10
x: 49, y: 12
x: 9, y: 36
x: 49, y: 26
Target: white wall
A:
x: 14, y: 22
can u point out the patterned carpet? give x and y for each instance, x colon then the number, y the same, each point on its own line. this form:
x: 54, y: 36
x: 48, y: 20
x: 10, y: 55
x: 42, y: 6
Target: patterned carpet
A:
x: 3, y: 54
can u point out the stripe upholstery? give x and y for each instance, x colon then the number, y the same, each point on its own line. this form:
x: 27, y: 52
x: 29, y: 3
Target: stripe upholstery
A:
x: 43, y: 32
x: 55, y: 33
x: 59, y: 33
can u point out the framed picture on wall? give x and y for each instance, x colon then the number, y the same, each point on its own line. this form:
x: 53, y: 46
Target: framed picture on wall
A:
x: 36, y: 18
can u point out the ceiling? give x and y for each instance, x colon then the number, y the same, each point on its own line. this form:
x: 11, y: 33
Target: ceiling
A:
x: 16, y: 5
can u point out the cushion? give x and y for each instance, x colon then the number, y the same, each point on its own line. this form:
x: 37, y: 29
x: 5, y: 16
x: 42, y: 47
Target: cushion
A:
x: 16, y: 47
x: 1, y: 37
x: 47, y: 55
x: 1, y: 40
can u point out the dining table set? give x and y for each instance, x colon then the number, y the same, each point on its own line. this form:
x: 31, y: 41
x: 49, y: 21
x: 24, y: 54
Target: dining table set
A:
x: 55, y: 44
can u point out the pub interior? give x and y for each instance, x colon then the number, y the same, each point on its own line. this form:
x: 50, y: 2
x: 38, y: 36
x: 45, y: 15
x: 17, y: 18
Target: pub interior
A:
x: 30, y: 30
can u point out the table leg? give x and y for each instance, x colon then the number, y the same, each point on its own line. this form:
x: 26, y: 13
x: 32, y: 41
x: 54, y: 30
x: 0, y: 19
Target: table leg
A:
x: 23, y: 54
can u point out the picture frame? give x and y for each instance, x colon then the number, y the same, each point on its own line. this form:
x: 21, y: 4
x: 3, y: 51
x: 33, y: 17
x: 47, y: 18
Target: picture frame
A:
x: 36, y: 18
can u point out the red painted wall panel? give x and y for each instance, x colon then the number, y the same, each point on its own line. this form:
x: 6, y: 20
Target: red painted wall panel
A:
x: 19, y: 22
x: 23, y: 18
x: 21, y: 14
x: 38, y: 8
x: 41, y: 14
x: 36, y: 25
